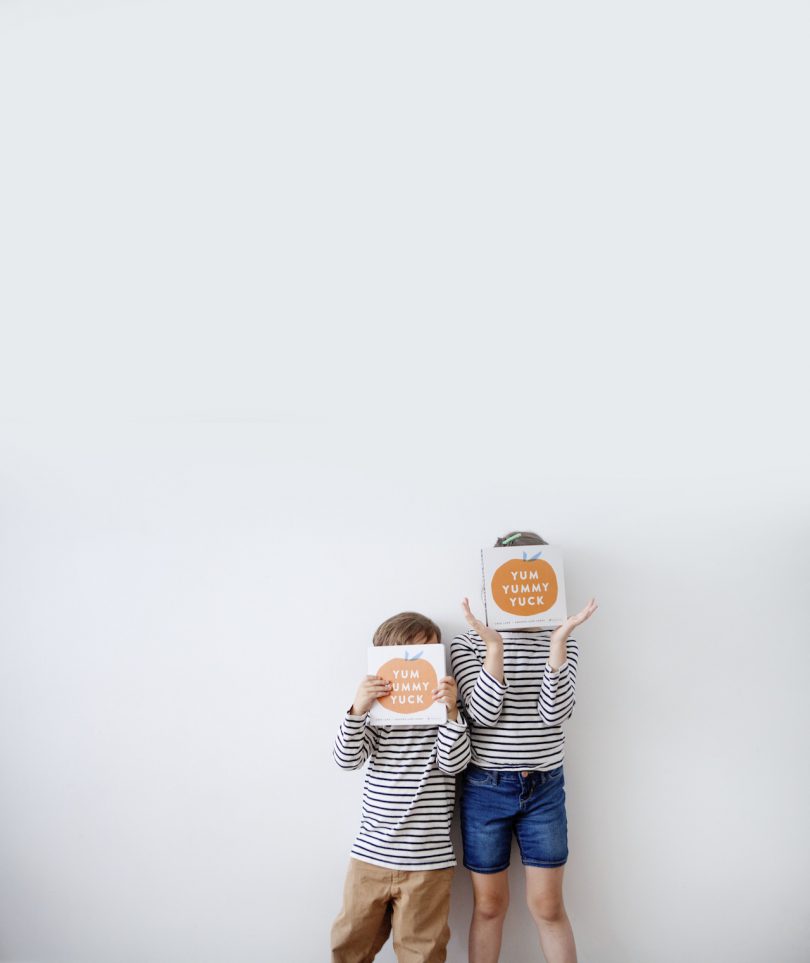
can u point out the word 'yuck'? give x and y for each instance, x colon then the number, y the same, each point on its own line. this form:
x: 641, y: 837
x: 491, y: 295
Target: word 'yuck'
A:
x: 535, y: 587
x: 416, y: 690
x: 411, y: 680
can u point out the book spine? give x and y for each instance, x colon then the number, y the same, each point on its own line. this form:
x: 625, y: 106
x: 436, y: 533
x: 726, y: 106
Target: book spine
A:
x: 484, y: 592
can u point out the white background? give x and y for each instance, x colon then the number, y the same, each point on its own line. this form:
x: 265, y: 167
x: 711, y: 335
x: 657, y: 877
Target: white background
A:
x: 301, y: 305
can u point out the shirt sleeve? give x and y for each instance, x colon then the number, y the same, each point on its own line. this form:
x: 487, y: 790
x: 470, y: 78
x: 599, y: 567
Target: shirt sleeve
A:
x: 355, y: 742
x: 453, y: 747
x: 558, y: 689
x: 481, y: 693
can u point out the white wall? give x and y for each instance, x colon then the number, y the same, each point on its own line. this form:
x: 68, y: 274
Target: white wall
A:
x: 185, y: 612
x: 304, y: 303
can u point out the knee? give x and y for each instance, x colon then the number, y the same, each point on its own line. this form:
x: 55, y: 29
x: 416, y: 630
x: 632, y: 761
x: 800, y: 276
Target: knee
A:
x: 546, y: 909
x: 491, y: 906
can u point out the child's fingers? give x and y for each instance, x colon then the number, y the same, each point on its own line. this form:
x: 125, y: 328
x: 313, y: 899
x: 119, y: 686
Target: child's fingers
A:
x: 587, y: 612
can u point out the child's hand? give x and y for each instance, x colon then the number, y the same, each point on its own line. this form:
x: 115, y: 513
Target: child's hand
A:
x: 448, y: 694
x: 490, y: 636
x: 562, y: 633
x: 373, y: 687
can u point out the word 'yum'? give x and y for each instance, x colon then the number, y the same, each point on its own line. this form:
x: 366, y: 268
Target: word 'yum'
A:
x: 526, y: 589
x: 416, y: 690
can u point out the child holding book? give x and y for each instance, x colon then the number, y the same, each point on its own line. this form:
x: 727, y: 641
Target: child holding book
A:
x: 517, y: 690
x: 402, y: 859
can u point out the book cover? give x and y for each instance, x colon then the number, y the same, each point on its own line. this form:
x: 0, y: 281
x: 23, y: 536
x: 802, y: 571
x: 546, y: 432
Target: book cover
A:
x: 524, y: 587
x: 414, y: 672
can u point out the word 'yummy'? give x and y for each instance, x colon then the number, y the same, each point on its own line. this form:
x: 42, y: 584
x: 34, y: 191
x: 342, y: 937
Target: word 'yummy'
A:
x: 412, y: 679
x: 527, y: 585
x: 416, y: 687
x: 525, y: 589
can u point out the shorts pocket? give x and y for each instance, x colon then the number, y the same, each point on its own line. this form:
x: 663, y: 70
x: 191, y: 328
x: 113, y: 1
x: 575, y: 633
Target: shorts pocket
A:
x: 478, y: 777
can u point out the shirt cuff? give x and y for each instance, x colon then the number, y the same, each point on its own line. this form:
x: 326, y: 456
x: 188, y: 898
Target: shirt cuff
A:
x: 460, y: 723
x: 558, y: 670
x: 354, y: 719
x: 501, y: 685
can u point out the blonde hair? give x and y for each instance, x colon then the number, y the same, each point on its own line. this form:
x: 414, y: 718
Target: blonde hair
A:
x: 405, y: 629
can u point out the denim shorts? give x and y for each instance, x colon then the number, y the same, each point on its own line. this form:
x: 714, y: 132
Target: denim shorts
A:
x: 496, y: 804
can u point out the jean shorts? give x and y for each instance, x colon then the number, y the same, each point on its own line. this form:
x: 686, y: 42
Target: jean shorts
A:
x: 496, y: 804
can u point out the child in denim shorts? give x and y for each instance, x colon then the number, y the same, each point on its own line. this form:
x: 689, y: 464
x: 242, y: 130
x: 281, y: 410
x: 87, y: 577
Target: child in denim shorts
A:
x: 517, y: 689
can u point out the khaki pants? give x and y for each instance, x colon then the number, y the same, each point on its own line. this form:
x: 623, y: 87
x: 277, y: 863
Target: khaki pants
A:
x: 414, y: 903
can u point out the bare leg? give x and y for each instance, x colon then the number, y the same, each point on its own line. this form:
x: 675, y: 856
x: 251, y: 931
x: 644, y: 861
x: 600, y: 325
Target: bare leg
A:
x: 545, y: 899
x: 491, y: 892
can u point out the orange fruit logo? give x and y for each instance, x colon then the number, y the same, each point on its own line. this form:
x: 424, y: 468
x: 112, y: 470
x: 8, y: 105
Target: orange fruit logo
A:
x: 412, y: 679
x: 524, y: 586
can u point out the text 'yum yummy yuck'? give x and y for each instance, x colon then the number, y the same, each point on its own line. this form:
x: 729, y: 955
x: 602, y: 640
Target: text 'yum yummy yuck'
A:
x: 407, y: 689
x: 527, y: 593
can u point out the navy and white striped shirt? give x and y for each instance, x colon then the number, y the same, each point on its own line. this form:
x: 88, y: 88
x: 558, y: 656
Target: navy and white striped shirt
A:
x: 409, y: 792
x: 516, y: 725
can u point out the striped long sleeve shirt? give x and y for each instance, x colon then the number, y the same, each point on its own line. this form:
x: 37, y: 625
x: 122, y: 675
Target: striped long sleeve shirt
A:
x: 516, y: 725
x: 409, y: 791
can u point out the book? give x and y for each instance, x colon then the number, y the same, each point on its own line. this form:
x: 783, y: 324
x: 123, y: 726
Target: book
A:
x: 524, y: 587
x: 414, y: 672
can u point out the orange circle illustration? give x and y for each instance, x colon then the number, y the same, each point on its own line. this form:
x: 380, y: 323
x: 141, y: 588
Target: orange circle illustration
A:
x: 412, y: 684
x: 522, y: 587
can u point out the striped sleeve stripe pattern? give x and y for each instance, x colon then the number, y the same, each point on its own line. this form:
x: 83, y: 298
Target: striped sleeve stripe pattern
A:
x: 557, y: 694
x: 517, y: 725
x: 409, y: 790
x: 354, y: 743
x: 481, y: 692
x: 453, y: 748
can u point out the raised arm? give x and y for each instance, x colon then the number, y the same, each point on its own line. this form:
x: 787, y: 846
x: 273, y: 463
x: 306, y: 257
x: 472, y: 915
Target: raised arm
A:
x: 481, y: 682
x: 453, y: 746
x: 558, y: 689
x: 356, y: 740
